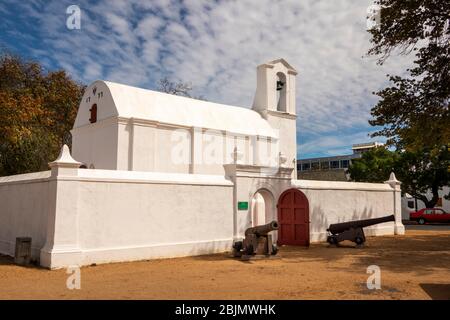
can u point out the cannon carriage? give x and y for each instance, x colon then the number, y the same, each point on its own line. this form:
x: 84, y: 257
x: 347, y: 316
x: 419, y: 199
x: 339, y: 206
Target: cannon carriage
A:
x: 257, y: 242
x: 353, y: 230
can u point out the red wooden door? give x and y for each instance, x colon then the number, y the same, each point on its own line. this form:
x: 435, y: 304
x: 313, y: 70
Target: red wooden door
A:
x: 293, y: 218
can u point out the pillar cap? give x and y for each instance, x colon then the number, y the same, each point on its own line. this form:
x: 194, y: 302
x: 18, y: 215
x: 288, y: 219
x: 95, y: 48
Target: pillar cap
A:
x: 65, y: 159
x: 393, y: 180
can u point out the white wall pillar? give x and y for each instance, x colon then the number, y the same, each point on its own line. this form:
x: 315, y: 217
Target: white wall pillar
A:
x: 61, y: 247
x: 395, y: 185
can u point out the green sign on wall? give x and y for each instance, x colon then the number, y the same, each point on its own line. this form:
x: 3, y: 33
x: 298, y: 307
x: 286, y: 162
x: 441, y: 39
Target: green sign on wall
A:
x: 242, y: 205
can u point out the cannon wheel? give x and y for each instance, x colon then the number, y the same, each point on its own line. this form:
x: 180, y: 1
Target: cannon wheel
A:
x: 359, y: 242
x: 274, y: 249
x: 332, y: 240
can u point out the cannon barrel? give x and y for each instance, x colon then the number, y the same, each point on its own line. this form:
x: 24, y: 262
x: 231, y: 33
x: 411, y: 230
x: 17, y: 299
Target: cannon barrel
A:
x: 341, y: 227
x: 262, y: 230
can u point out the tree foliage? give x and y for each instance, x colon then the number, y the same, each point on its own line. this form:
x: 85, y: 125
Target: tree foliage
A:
x: 373, y: 166
x: 414, y: 110
x: 419, y: 172
x: 177, y: 88
x: 423, y: 172
x: 37, y: 111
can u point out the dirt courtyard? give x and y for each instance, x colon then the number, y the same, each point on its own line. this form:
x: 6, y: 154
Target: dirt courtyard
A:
x: 413, y: 266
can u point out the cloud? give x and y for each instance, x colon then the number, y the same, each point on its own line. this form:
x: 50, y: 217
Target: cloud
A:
x: 329, y: 145
x: 216, y: 45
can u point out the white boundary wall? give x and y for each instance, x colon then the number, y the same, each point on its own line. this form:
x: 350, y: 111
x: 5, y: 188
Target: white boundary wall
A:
x: 81, y: 216
x: 335, y: 202
x: 24, y: 206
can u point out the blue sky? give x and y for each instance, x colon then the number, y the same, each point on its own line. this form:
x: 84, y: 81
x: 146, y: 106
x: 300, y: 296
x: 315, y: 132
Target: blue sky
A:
x: 216, y: 45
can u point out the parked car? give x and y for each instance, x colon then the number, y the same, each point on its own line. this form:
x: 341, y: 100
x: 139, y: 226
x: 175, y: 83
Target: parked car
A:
x: 430, y: 215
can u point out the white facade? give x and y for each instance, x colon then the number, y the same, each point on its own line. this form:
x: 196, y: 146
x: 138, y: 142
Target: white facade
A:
x: 166, y: 176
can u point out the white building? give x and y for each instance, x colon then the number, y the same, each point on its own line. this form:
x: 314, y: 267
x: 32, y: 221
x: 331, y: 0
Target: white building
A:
x: 159, y: 175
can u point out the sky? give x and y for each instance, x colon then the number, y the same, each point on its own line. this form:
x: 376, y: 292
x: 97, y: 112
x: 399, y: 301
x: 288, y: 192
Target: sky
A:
x: 216, y: 46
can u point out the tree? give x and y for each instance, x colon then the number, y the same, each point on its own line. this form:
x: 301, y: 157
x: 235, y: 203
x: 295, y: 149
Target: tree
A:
x: 177, y: 88
x: 419, y: 172
x: 425, y: 172
x: 373, y: 166
x: 37, y: 111
x: 414, y: 110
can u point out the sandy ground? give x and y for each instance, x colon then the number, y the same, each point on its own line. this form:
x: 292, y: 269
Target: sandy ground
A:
x: 414, y: 266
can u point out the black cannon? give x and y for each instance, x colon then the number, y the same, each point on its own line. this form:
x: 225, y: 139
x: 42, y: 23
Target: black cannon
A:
x: 353, y: 230
x: 257, y: 241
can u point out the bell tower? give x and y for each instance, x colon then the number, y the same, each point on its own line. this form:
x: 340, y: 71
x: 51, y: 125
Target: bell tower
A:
x: 275, y: 88
x: 275, y: 101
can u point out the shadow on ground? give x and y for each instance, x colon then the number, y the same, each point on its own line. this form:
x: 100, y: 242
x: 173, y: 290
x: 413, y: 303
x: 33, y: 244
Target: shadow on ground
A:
x: 6, y: 260
x: 420, y: 254
x: 9, y: 261
x: 437, y: 291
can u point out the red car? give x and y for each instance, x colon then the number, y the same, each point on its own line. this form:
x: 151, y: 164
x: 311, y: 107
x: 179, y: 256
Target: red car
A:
x: 430, y: 215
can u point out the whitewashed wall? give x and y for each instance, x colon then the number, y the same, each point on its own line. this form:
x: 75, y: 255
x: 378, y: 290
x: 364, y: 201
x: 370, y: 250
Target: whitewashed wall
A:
x: 81, y: 216
x: 24, y: 205
x: 329, y: 201
x: 335, y: 202
x: 96, y: 144
x: 129, y: 217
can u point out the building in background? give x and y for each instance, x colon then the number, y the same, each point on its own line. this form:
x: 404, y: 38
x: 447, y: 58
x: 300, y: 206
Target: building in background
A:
x: 332, y: 168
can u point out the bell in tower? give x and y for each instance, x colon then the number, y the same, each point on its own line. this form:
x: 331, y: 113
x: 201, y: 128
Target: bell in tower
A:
x: 275, y: 90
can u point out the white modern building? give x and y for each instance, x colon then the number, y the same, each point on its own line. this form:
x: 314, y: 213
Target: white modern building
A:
x: 154, y: 175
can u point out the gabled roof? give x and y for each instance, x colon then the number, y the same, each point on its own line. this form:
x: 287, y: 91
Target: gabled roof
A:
x: 284, y: 62
x: 120, y: 100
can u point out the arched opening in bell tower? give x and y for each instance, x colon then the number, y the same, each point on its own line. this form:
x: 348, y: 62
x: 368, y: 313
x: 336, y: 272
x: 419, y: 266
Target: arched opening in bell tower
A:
x: 281, y: 92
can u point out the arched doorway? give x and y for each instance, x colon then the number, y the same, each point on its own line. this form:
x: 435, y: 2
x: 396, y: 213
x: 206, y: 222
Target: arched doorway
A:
x: 263, y: 207
x: 293, y: 218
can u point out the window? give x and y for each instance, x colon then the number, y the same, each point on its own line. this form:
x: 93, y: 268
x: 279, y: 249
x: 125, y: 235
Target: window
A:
x: 305, y: 166
x: 324, y: 165
x: 315, y: 166
x: 334, y: 164
x: 428, y: 211
x: 438, y: 211
x: 411, y: 204
x: 345, y: 163
x: 93, y: 111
